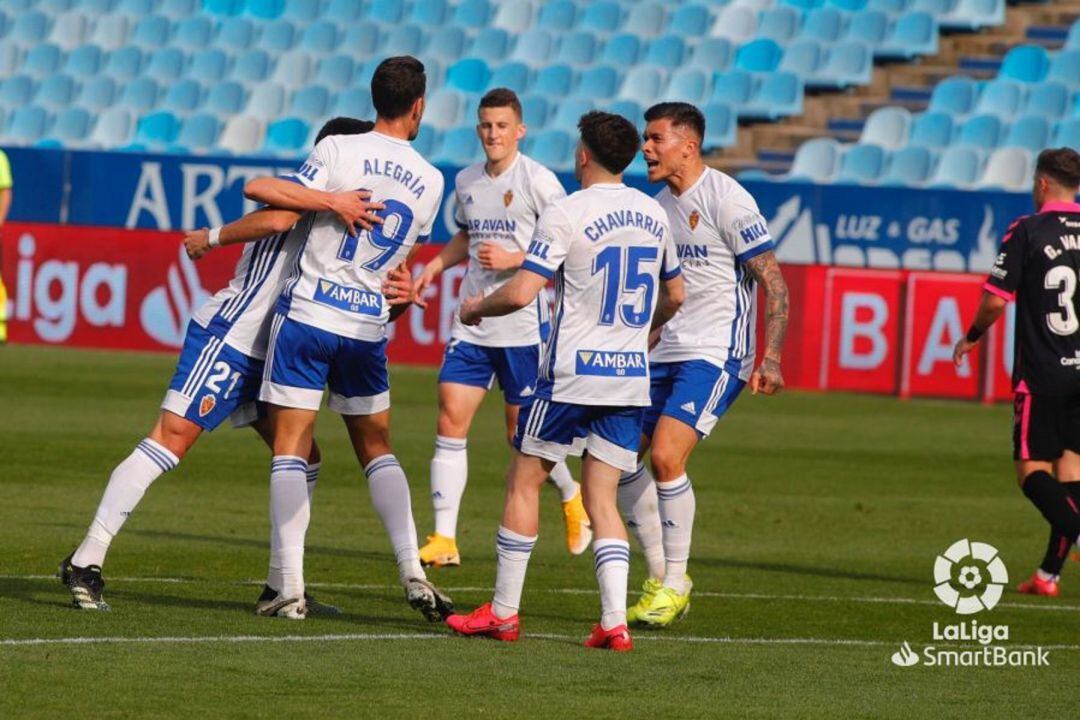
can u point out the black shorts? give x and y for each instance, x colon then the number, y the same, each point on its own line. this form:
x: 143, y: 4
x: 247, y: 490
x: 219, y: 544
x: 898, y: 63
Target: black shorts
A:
x: 1045, y: 426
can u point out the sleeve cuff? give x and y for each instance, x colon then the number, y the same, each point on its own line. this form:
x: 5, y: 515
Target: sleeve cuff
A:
x: 1004, y: 294
x: 755, y: 251
x: 537, y: 268
x: 669, y: 274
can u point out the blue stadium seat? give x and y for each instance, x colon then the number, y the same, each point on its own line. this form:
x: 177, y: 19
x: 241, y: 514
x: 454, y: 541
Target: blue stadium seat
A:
x: 557, y: 15
x: 1048, y: 99
x: 601, y: 16
x: 490, y: 44
x: 568, y: 112
x: 404, y: 40
x: 242, y: 135
x: 887, y: 127
x: 554, y: 81
x: 10, y: 58
x: 165, y: 65
x: 816, y: 160
x: 366, y: 71
x: 629, y: 109
x: 182, y: 97
x: 972, y: 15
x: 534, y: 47
x: 1065, y: 68
x: 1031, y: 132
x: 870, y: 27
x: 193, y: 33
x: 55, y: 92
x: 198, y: 133
x: 140, y: 95
x: 176, y: 9
x: 803, y: 57
x: 97, y: 7
x: 1067, y: 134
x: 267, y: 101
x: 427, y: 141
x: 689, y: 20
x: 736, y: 23
x: 847, y: 64
x: 469, y: 75
x: 1072, y: 40
x: 111, y: 31
x: 16, y: 91
x: 447, y: 43
x: 778, y: 95
x: 151, y: 32
x: 762, y: 55
x: 223, y: 8
x: 135, y: 8
x: 577, y: 48
x: 1025, y: 63
x: 113, y: 128
x: 70, y: 30
x: 70, y: 129
x: 353, y: 102
x: 84, y: 61
x: 1007, y: 168
x: 472, y: 13
x: 862, y: 164
x: 286, y: 137
x: 344, y: 11
x: 936, y: 8
x: 97, y: 93
x: 980, y: 131
x: 1000, y: 97
x: 642, y: 84
x: 27, y: 124
x: 823, y: 24
x: 689, y: 84
x: 311, y: 103
x: 734, y: 88
x: 954, y: 96
x: 513, y: 75
x: 209, y: 64
x: 29, y: 28
x: 780, y: 24
x: 851, y: 6
x: 892, y: 7
x: 459, y: 147
x: 666, y: 52
x: 535, y: 110
x: 335, y: 71
x: 251, y: 67
x: 301, y: 11
x: 225, y: 98
x: 264, y: 9
x: 712, y: 54
x: 909, y: 166
x: 645, y: 19
x: 428, y: 13
x: 622, y: 50
x: 804, y: 5
x: 362, y: 39
x: 914, y: 34
x: 932, y: 130
x: 320, y: 38
x: 553, y: 149
x: 278, y: 36
x: 514, y: 16
x: 388, y: 12
x: 294, y: 69
x: 720, y: 126
x: 445, y: 109
x: 157, y: 129
x: 599, y: 82
x: 43, y: 60
x: 235, y: 34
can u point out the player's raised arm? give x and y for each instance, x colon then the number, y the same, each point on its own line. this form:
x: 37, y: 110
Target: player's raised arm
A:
x: 253, y: 226
x: 766, y: 270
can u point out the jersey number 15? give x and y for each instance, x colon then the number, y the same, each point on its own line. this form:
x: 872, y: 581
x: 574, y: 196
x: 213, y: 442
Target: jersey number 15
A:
x: 623, y: 276
x: 397, y: 215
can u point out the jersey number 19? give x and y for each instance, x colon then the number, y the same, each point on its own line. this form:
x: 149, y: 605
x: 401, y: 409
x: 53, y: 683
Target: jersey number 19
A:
x: 396, y: 214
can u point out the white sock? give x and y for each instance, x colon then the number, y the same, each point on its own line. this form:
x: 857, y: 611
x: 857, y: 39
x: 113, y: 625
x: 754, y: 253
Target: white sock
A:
x: 273, y: 575
x: 290, y: 513
x: 561, y: 478
x: 312, y: 478
x: 641, y: 510
x: 127, y: 484
x: 612, y: 570
x: 513, y: 551
x: 449, y: 473
x: 390, y: 495
x: 677, y: 506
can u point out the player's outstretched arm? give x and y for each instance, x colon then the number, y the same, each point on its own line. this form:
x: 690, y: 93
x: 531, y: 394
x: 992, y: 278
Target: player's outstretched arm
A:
x: 518, y: 292
x: 253, y: 226
x: 452, y: 253
x: 766, y: 270
x: 990, y: 309
x: 351, y: 206
x: 672, y: 296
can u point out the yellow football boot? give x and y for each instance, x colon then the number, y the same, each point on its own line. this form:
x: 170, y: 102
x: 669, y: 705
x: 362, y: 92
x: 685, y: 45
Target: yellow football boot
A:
x: 440, y: 551
x: 666, y: 606
x: 578, y: 527
x: 648, y: 591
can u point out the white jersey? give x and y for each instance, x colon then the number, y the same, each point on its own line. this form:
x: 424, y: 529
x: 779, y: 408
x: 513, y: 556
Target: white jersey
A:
x: 337, y: 284
x: 502, y: 210
x: 608, y: 247
x: 717, y: 228
x: 239, y: 314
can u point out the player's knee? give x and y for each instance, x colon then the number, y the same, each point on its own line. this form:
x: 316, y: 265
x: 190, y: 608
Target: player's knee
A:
x: 667, y: 464
x: 175, y: 433
x: 451, y: 426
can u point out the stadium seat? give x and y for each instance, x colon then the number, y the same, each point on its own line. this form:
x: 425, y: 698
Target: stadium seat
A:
x: 55, y: 92
x: 599, y: 82
x: 209, y: 64
x: 182, y: 97
x: 980, y: 131
x: 933, y: 7
x: 447, y: 43
x: 1048, y: 99
x: 157, y: 129
x: 472, y: 13
x: 267, y: 100
x: 846, y: 64
x: 460, y: 147
x: 96, y: 8
x: 969, y: 15
x: 1008, y: 168
x: 445, y: 109
x: 690, y: 20
x: 353, y: 102
x: 621, y: 50
x: 136, y: 8
x: 140, y: 95
x: 175, y: 9
x: 336, y: 71
x: 362, y: 39
x: 762, y: 55
x: 892, y: 7
x: 428, y: 13
x: 427, y: 141
x: 223, y: 8
x: 1025, y: 63
x: 557, y: 15
x: 954, y: 96
x: 932, y: 130
x: 193, y: 33
x: 490, y: 44
x: 851, y: 6
x: 469, y: 75
x: 553, y: 148
x: 165, y: 65
x: 286, y: 137
x: 242, y: 135
x: 733, y: 88
x: 514, y: 16
x: 689, y: 84
x: 816, y: 160
x: 70, y: 129
x: 150, y: 32
x: 914, y: 34
x: 277, y: 37
x: 1065, y: 68
x: 712, y: 55
x: 513, y: 75
x: 1000, y: 97
x: 124, y: 63
x: 627, y: 108
x: 720, y: 126
x: 534, y: 47
x: 366, y: 71
x: 97, y: 93
x: 577, y: 48
x: 909, y: 166
x: 70, y: 30
x: 16, y: 91
x: 344, y: 11
x: 554, y: 81
x: 320, y: 38
x: 779, y: 24
x: 113, y: 128
x: 642, y: 84
x: 293, y: 69
x: 1031, y: 132
x: 84, y: 61
x: 887, y: 127
x: 777, y: 95
x: 225, y: 98
x: 264, y: 9
x: 29, y: 28
x: 870, y: 27
x: 861, y: 164
x: 735, y: 23
x: 310, y: 103
x: 644, y: 19
x: 27, y: 124
x: 602, y: 16
x: 803, y: 57
x: 1072, y: 40
x: 823, y: 24
x: 535, y: 110
x: 1068, y: 134
x: 958, y: 167
x: 301, y: 11
x: 666, y: 52
x: 236, y: 34
x: 568, y: 112
x: 42, y: 60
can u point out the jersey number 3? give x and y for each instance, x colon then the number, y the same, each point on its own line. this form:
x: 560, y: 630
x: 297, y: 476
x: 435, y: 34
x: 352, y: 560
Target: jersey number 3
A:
x: 1062, y: 278
x: 396, y: 215
x: 623, y: 276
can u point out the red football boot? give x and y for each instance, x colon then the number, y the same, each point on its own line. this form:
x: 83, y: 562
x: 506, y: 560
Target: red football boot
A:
x: 1037, y: 586
x: 617, y: 639
x: 482, y: 621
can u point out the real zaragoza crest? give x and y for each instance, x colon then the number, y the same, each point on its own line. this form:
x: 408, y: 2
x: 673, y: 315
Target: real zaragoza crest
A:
x: 508, y: 198
x: 694, y: 217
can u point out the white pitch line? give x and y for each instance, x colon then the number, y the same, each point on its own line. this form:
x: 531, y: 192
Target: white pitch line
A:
x: 1049, y: 607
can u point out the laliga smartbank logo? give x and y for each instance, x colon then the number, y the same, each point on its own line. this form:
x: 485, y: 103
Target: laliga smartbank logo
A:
x: 969, y: 577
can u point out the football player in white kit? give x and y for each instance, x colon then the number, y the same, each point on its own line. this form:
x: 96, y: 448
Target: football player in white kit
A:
x: 217, y: 376
x: 705, y: 355
x: 497, y: 203
x: 330, y: 323
x: 614, y: 263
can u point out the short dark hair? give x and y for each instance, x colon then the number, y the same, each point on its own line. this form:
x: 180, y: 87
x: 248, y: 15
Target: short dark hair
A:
x: 501, y: 97
x: 679, y: 113
x: 1061, y: 165
x: 612, y: 139
x: 398, y: 82
x: 344, y: 126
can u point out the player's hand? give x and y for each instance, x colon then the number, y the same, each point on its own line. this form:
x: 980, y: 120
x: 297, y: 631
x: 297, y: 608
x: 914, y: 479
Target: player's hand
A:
x: 494, y: 257
x: 963, y: 347
x: 767, y: 378
x: 423, y: 283
x: 654, y: 337
x: 197, y: 243
x: 468, y: 310
x: 398, y: 287
x: 354, y: 208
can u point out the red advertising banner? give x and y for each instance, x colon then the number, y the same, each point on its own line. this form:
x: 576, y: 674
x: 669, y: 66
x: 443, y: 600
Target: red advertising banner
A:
x: 999, y: 357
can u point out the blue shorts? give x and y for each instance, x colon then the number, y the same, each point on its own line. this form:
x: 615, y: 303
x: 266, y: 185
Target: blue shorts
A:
x: 695, y: 392
x: 303, y: 360
x: 212, y: 379
x: 553, y: 430
x: 479, y: 366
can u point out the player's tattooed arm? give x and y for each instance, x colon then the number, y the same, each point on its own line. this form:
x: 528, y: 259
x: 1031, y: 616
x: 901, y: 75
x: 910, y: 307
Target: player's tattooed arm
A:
x: 253, y: 226
x: 353, y: 207
x: 672, y: 296
x: 766, y: 270
x: 515, y: 294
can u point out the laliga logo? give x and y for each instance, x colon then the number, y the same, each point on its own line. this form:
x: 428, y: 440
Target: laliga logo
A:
x: 165, y: 310
x: 969, y: 565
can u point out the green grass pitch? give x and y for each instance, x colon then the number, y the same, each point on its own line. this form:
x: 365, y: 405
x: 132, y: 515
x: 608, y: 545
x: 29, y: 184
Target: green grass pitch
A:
x: 819, y: 518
